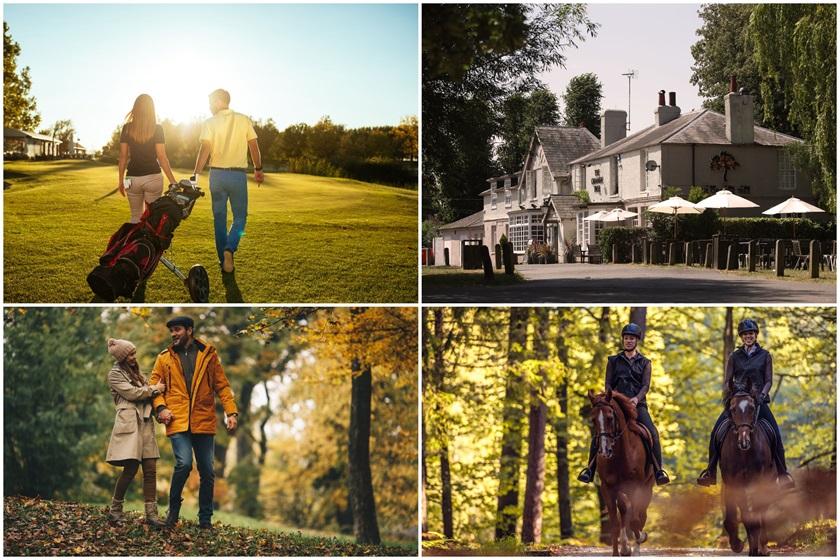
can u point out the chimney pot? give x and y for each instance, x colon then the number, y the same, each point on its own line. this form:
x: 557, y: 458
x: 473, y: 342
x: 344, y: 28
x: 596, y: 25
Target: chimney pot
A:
x: 672, y: 98
x: 733, y: 84
x: 661, y: 97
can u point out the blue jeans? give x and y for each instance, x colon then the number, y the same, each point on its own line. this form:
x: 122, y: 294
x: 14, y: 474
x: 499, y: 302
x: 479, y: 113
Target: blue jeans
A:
x: 228, y: 185
x: 183, y: 446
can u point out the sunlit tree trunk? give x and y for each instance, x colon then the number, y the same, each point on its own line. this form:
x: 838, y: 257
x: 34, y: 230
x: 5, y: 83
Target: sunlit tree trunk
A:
x: 561, y: 428
x: 638, y: 315
x: 443, y: 454
x: 728, y: 346
x: 535, y: 474
x: 365, y: 526
x: 507, y: 503
x: 604, y: 346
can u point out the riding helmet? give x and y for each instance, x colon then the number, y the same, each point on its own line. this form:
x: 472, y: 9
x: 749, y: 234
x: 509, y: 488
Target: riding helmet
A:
x: 747, y: 325
x: 632, y: 329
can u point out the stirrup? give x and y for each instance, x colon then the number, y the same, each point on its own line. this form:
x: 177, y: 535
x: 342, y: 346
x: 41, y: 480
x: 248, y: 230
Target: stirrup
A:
x: 661, y: 477
x: 707, y: 478
x: 586, y: 475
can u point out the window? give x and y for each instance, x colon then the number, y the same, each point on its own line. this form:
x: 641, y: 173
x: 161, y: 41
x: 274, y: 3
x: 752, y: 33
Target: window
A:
x: 787, y: 173
x: 587, y: 232
x: 541, y: 186
x: 508, y: 198
x: 493, y: 197
x: 524, y: 228
x: 532, y: 183
x: 521, y: 192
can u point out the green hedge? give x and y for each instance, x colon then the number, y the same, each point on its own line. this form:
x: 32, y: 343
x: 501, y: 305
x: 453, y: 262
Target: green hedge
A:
x: 707, y: 224
x: 622, y: 236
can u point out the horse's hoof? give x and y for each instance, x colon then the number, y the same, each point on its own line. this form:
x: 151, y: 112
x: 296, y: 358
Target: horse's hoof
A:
x: 736, y: 546
x: 625, y: 551
x: 643, y: 536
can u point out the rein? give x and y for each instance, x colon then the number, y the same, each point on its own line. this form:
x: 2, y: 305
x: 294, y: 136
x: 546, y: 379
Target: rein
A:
x: 750, y: 425
x: 610, y: 435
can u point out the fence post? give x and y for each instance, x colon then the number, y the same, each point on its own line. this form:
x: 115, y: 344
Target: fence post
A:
x: 780, y: 258
x: 814, y: 258
x: 688, y: 247
x: 498, y: 255
x: 446, y: 256
x: 633, y: 254
x: 646, y: 251
x: 751, y: 255
x: 710, y: 252
x: 732, y: 256
x: 672, y: 254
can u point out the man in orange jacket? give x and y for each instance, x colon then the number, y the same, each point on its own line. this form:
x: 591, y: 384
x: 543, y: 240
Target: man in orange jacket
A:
x: 193, y: 374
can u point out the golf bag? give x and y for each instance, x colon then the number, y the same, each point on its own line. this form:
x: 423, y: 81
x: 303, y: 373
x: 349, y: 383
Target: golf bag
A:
x: 134, y: 250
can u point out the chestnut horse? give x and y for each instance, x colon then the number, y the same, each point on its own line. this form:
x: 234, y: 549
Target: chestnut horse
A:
x: 748, y: 471
x: 626, y: 475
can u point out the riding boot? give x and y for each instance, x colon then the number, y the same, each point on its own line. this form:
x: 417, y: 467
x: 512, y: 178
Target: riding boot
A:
x: 173, y: 513
x: 587, y: 475
x: 152, y: 516
x: 658, y: 472
x: 115, y: 512
x: 783, y: 478
x: 709, y: 475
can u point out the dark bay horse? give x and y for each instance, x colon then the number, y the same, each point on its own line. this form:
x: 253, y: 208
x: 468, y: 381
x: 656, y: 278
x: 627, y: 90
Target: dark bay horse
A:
x: 748, y: 471
x: 626, y: 475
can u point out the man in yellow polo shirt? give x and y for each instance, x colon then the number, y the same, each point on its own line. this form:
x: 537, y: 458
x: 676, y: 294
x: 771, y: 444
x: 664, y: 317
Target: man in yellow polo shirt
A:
x: 226, y: 139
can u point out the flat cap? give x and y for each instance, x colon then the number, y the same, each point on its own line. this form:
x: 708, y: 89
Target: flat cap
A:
x: 182, y: 321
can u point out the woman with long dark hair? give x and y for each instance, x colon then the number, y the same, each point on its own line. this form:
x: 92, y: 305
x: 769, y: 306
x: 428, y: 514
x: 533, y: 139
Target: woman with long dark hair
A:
x: 143, y: 148
x: 133, y: 438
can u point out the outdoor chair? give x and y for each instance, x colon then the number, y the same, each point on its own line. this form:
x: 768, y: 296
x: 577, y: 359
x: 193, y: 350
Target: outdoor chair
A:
x: 830, y: 259
x: 801, y: 259
x: 593, y: 254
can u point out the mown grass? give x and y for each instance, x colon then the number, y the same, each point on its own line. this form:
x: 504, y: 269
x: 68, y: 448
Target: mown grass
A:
x: 35, y: 527
x: 308, y: 239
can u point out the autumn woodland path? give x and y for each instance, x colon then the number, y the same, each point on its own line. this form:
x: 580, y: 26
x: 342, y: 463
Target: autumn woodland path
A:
x: 34, y: 527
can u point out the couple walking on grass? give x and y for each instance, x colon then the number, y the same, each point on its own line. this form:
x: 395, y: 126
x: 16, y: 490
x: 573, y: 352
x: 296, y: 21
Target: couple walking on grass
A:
x: 186, y: 378
x: 225, y: 139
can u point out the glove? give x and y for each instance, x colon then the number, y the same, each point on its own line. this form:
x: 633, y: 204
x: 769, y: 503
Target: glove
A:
x: 763, y: 398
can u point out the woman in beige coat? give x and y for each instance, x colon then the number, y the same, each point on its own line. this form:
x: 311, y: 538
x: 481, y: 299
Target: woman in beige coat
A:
x: 133, y: 437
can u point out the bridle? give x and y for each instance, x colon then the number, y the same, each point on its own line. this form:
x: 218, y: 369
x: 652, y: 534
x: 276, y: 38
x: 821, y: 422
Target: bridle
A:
x: 609, y: 435
x: 750, y: 425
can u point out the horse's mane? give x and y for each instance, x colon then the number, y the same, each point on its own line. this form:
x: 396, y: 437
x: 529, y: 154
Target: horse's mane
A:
x: 627, y: 408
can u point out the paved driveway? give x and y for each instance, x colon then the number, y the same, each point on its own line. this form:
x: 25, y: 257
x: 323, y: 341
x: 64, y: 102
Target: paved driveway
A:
x: 619, y: 283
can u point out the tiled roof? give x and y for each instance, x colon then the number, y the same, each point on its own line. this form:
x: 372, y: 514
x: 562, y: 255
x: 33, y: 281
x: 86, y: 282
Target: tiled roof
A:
x: 473, y: 220
x: 694, y: 127
x: 562, y: 144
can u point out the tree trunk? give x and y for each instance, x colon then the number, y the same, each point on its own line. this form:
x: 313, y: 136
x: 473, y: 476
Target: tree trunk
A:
x: 561, y: 428
x: 603, y: 339
x: 443, y: 453
x: 728, y: 347
x: 638, y: 315
x: 244, y: 448
x: 512, y: 418
x: 362, y: 503
x: 535, y: 474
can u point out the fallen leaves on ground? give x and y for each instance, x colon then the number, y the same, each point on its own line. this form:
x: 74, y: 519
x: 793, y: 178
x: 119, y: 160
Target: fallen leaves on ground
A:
x: 35, y: 527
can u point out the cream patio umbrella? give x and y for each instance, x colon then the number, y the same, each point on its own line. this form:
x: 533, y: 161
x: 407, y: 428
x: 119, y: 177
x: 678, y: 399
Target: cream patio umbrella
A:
x: 673, y: 206
x: 594, y: 217
x: 725, y: 199
x: 793, y: 206
x: 617, y: 215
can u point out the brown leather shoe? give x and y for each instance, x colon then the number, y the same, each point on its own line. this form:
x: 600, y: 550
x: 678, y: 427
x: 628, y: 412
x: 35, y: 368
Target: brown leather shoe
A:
x: 227, y: 266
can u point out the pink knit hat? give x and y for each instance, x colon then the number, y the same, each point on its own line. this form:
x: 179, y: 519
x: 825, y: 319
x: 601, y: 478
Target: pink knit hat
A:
x: 120, y: 349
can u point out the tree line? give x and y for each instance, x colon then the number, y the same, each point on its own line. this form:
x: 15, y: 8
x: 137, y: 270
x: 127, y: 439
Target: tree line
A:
x: 506, y: 418
x: 327, y: 400
x: 382, y: 154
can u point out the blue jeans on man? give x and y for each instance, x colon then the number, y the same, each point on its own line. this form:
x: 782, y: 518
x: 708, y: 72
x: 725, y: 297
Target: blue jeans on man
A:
x: 184, y: 444
x: 228, y: 185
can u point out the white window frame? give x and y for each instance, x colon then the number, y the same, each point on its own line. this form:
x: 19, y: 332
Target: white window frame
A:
x: 508, y: 198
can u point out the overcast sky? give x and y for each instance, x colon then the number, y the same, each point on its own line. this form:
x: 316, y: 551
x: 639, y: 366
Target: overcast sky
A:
x: 293, y: 63
x: 654, y: 40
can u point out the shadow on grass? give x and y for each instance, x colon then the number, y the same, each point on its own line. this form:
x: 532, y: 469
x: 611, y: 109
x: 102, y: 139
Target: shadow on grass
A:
x: 232, y: 292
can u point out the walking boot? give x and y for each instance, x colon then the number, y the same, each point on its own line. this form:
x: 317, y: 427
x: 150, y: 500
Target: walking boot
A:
x: 173, y: 513
x: 586, y: 475
x: 152, y: 516
x: 115, y: 512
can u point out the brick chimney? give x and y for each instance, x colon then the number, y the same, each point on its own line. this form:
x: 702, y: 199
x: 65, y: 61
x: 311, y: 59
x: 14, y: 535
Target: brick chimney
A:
x: 613, y: 126
x: 739, y: 115
x: 666, y: 113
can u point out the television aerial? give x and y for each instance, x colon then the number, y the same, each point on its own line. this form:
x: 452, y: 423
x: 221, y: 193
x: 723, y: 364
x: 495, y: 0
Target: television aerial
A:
x: 631, y: 75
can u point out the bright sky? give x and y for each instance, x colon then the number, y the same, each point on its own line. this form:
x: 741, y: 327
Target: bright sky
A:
x: 654, y: 40
x: 293, y: 63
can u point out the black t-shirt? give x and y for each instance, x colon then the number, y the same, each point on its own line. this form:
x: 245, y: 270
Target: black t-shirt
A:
x: 142, y: 157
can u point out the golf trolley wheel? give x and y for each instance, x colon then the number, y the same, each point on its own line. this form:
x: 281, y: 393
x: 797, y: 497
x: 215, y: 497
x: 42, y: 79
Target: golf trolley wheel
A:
x: 198, y: 284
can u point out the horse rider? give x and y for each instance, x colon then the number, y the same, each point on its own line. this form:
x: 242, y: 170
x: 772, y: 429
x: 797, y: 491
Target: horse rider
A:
x: 749, y: 361
x: 628, y: 373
